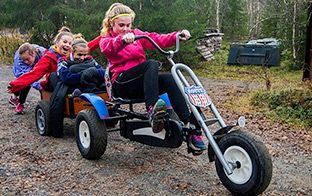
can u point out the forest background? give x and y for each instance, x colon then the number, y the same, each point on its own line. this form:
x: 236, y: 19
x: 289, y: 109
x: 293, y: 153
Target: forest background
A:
x: 239, y: 20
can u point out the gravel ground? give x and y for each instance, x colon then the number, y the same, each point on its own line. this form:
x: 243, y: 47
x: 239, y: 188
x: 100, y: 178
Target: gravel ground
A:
x: 35, y: 165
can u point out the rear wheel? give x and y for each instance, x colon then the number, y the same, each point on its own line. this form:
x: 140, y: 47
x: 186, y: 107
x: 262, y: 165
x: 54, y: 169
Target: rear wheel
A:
x: 42, y: 117
x: 91, y: 134
x: 252, y: 162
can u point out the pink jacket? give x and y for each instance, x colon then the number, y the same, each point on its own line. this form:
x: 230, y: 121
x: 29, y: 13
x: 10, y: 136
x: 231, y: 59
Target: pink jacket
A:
x: 122, y: 57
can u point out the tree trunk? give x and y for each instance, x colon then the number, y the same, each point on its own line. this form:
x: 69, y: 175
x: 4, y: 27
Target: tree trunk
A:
x: 294, y: 30
x: 254, y: 12
x: 307, y: 74
x: 218, y: 14
x: 251, y: 18
x: 257, y: 18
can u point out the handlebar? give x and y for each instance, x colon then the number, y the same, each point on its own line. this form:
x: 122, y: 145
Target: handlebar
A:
x: 166, y: 53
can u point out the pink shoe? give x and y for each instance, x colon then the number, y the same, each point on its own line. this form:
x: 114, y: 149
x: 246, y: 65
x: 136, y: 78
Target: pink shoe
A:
x: 19, y: 109
x: 13, y: 101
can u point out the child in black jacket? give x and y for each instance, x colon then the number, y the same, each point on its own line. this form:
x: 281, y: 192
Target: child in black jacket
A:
x: 80, y: 70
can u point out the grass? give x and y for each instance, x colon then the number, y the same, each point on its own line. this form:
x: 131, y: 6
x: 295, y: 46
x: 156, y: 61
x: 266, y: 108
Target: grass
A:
x: 277, y: 76
x: 282, y: 95
x: 8, y: 45
x: 293, y: 106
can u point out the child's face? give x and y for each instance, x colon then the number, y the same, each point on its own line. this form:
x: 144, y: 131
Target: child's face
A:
x: 65, y: 45
x: 122, y: 25
x: 80, y: 53
x: 29, y: 57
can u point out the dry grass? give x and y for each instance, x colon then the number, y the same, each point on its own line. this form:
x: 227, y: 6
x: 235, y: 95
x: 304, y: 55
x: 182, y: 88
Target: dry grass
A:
x: 272, y: 81
x: 9, y: 42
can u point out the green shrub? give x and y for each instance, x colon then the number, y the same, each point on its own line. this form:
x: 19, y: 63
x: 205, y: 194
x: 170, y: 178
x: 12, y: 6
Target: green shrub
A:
x: 292, y: 106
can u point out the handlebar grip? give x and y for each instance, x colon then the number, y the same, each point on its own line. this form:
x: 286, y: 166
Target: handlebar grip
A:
x: 182, y: 35
x: 139, y: 37
x: 135, y: 38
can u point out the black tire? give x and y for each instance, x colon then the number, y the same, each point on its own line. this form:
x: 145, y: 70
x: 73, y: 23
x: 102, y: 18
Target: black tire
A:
x: 91, y: 134
x: 42, y: 117
x: 254, y: 162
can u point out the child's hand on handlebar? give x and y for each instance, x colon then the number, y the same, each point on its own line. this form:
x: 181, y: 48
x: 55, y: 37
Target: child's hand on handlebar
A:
x: 185, y: 35
x: 128, y: 38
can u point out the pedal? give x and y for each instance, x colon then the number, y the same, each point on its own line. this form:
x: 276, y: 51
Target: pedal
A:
x: 141, y: 131
x: 160, y: 115
x: 195, y: 152
x: 159, y: 120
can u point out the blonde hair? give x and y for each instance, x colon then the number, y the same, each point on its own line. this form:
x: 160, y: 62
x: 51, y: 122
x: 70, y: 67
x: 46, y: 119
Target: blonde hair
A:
x: 62, y: 32
x: 26, y: 47
x: 79, y: 41
x: 114, y: 10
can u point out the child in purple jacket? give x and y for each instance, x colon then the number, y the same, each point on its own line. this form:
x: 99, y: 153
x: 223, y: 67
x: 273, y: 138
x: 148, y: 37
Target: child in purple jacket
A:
x: 25, y: 58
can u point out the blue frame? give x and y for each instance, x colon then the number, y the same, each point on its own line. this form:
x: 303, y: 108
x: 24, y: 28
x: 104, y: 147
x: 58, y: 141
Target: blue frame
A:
x: 165, y: 97
x: 98, y: 103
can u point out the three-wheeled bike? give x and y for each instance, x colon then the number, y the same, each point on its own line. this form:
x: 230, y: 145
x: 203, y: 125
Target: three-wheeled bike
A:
x: 242, y: 161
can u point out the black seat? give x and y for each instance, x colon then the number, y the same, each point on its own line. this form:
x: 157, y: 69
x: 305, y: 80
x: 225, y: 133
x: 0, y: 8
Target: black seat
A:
x: 110, y: 92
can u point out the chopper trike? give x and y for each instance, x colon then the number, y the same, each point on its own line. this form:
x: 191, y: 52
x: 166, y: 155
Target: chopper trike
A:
x: 242, y: 161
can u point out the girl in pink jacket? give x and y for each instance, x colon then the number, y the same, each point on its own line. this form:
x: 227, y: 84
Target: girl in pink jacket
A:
x: 134, y: 77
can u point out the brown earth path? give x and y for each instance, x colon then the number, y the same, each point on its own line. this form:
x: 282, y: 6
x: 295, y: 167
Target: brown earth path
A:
x: 35, y: 165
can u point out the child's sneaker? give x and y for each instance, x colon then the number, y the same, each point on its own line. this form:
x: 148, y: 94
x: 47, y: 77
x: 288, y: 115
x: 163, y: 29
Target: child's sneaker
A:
x: 195, y: 144
x: 13, y: 101
x: 156, y: 115
x: 19, y: 108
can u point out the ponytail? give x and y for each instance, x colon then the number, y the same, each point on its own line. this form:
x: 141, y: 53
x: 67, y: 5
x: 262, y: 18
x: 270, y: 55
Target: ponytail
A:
x: 63, y: 31
x: 112, y: 13
x: 79, y: 41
